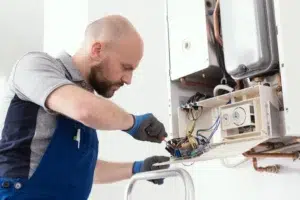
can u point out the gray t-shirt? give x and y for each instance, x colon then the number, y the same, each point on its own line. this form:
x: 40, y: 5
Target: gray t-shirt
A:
x: 27, y: 125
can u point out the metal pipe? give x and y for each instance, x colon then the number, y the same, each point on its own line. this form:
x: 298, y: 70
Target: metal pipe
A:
x: 166, y: 173
x: 223, y: 87
x: 279, y: 87
x: 185, y: 82
x: 272, y: 155
x: 270, y: 169
x: 216, y: 23
x: 286, y: 147
x: 270, y: 146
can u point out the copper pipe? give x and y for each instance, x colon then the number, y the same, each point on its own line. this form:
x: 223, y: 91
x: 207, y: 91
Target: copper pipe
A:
x: 216, y: 23
x: 279, y: 87
x: 267, y: 145
x: 270, y: 145
x: 270, y: 169
x: 296, y: 139
x: 238, y: 85
x: 282, y: 148
x: 294, y: 156
x: 192, y: 83
x: 258, y: 79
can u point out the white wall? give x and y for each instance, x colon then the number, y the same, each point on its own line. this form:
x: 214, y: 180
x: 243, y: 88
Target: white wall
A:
x: 22, y: 30
x: 21, y: 25
x: 65, y: 22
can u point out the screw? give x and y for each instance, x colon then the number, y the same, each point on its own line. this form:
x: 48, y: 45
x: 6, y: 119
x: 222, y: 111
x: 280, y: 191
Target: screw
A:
x: 18, y: 185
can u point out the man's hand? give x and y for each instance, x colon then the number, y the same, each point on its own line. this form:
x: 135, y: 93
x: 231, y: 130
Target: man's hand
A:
x: 147, y: 128
x: 147, y: 165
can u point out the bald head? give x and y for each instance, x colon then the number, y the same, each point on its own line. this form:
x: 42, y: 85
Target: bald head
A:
x: 110, y: 29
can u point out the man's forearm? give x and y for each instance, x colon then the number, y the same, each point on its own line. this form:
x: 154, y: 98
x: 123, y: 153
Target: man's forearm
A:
x: 110, y: 172
x: 93, y: 111
x: 103, y: 114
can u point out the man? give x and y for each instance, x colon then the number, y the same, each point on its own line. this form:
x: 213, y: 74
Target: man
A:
x: 49, y: 145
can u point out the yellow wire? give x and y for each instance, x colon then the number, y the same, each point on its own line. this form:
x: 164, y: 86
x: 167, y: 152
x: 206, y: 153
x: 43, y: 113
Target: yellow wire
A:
x: 189, y: 135
x: 190, y: 128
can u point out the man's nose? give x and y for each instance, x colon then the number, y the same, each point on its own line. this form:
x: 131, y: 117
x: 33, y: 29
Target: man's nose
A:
x: 127, y: 78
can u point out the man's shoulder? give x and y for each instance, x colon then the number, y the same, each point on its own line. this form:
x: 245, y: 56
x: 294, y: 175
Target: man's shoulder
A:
x: 35, y: 56
x: 38, y: 53
x: 38, y: 60
x: 38, y: 65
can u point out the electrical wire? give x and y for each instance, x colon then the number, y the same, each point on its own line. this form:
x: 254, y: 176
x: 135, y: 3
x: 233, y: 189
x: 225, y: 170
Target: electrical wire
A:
x: 202, y: 130
x: 193, y: 142
x: 222, y: 87
x: 188, y: 165
x: 196, y: 97
x: 226, y: 164
x: 194, y: 113
x: 215, y: 129
x: 189, y: 133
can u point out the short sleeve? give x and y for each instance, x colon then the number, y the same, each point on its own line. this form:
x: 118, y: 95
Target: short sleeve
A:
x: 35, y: 76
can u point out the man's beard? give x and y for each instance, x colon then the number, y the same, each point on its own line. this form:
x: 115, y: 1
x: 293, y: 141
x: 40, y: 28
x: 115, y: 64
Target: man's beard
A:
x: 100, y: 84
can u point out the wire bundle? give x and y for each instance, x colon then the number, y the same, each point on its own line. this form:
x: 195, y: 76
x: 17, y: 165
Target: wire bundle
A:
x: 196, y: 97
x: 193, y: 114
x: 182, y: 149
x: 214, y: 128
x: 191, y: 146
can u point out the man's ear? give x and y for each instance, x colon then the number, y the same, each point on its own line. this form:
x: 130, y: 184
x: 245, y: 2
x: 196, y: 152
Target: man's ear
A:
x: 96, y: 51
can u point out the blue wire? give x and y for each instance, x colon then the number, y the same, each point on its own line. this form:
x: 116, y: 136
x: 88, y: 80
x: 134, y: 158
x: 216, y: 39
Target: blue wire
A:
x: 215, y: 129
x: 212, y: 125
x: 215, y: 126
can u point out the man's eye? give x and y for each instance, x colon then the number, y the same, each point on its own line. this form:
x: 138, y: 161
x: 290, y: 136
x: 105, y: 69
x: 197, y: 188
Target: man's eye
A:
x: 126, y: 68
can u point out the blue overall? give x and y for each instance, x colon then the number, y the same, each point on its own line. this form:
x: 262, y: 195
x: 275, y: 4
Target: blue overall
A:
x: 66, y: 170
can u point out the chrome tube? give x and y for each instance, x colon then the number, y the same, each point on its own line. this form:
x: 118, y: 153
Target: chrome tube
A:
x: 158, y: 174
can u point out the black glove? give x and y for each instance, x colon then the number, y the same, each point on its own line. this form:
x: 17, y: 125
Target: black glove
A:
x: 147, y: 165
x: 147, y: 128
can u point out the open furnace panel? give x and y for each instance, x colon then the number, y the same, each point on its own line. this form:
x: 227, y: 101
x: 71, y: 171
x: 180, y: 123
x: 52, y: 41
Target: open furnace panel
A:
x: 226, y: 91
